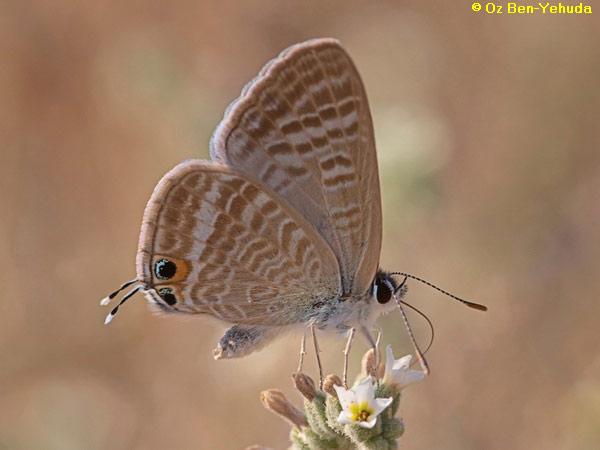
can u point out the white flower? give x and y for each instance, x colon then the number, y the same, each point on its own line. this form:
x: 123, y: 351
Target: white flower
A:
x: 359, y: 405
x: 397, y: 371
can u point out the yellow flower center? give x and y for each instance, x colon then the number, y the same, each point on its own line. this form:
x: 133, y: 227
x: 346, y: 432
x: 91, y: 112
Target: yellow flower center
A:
x: 360, y: 412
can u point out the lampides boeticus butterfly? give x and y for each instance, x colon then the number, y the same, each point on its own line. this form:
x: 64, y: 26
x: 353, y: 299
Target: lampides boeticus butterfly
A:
x: 283, y: 227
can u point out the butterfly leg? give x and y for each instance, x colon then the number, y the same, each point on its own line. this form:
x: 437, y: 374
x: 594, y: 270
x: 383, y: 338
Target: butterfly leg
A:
x: 374, y: 344
x: 317, y: 351
x: 242, y: 340
x: 346, y: 353
x: 302, y: 351
x: 377, y: 342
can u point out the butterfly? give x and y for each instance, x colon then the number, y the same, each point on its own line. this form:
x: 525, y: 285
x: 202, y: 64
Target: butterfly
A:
x: 283, y: 228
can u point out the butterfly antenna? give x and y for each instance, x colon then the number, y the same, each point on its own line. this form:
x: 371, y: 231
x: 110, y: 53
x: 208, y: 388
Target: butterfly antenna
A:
x: 106, y: 300
x: 473, y: 305
x: 418, y: 351
x: 113, y: 313
x: 422, y: 314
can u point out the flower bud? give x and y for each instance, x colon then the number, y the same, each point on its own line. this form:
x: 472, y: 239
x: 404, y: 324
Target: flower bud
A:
x: 305, y: 385
x: 369, y: 363
x: 275, y: 401
x: 329, y: 382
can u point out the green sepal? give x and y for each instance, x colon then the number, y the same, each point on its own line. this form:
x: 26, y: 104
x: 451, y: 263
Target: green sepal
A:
x: 393, y: 428
x: 376, y: 443
x: 332, y: 411
x: 317, y: 417
x: 360, y: 435
x: 298, y: 439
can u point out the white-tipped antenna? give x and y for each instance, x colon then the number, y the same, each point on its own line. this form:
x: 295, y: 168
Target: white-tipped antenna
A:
x: 113, y: 313
x: 106, y: 300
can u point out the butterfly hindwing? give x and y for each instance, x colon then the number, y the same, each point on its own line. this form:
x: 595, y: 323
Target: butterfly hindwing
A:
x: 233, y: 248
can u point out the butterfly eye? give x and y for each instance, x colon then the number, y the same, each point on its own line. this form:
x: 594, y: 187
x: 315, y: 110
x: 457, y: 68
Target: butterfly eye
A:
x: 165, y: 269
x: 167, y: 295
x: 382, y: 291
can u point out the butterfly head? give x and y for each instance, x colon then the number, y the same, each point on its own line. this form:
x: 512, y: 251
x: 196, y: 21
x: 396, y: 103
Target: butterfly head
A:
x: 385, y: 292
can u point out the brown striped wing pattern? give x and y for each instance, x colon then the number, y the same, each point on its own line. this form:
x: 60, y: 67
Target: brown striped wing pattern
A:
x: 242, y: 254
x: 303, y: 127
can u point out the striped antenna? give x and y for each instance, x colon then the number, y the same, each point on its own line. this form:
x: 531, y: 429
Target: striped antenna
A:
x: 473, y: 305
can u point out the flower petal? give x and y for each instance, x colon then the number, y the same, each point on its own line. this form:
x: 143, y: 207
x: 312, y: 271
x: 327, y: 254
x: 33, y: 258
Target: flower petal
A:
x: 345, y: 396
x: 379, y: 404
x: 345, y: 418
x: 389, y: 361
x: 402, y: 363
x: 370, y: 424
x: 364, y: 391
x: 397, y: 371
x: 412, y: 376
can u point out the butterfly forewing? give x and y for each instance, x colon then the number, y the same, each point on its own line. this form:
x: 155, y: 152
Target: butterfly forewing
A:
x: 303, y: 128
x: 241, y: 253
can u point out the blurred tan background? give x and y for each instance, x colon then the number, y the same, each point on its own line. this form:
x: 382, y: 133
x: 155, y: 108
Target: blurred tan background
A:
x: 488, y: 140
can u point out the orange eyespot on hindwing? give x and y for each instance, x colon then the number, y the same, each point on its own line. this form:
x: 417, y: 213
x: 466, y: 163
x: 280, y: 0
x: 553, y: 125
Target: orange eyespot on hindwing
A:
x: 167, y: 295
x: 168, y: 268
x: 164, y: 269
